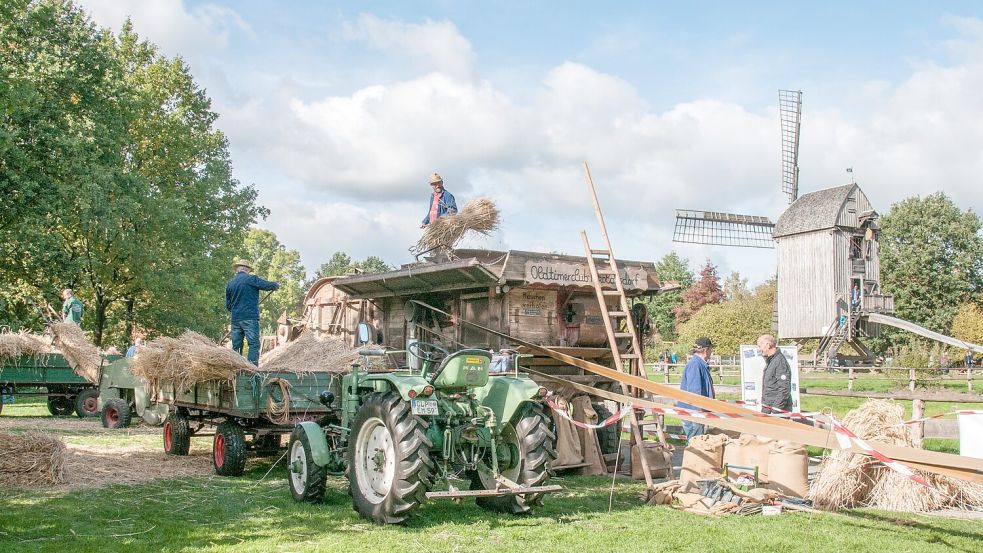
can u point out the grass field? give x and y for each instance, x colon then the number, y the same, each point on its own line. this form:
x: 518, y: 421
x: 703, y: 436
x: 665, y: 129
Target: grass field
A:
x: 256, y: 513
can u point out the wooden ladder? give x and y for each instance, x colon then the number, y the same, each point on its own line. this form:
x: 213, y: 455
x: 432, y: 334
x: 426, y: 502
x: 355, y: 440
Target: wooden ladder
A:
x: 629, y: 361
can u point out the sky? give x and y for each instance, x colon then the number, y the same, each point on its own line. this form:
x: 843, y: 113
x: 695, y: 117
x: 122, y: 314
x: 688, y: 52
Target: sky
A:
x: 338, y: 112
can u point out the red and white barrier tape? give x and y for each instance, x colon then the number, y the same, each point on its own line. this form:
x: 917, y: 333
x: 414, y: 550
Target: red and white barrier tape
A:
x: 625, y: 411
x: 963, y: 412
x: 845, y: 437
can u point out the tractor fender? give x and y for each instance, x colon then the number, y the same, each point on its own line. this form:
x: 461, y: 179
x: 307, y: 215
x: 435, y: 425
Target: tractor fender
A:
x: 402, y: 384
x: 505, y: 395
x: 320, y: 452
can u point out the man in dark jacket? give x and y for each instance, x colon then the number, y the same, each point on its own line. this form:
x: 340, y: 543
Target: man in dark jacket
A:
x: 697, y: 380
x: 242, y: 301
x: 776, y: 383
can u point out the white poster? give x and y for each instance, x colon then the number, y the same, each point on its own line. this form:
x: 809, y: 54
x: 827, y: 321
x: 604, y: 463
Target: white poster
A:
x: 752, y: 368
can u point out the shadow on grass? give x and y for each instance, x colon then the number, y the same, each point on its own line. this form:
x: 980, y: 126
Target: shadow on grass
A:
x: 941, y: 533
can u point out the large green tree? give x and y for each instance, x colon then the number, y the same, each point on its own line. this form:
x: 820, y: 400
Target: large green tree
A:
x: 931, y: 259
x: 273, y: 261
x: 671, y: 269
x: 731, y: 323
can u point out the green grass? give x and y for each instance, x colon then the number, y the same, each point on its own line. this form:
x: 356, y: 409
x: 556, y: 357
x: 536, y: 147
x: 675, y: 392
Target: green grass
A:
x: 252, y: 514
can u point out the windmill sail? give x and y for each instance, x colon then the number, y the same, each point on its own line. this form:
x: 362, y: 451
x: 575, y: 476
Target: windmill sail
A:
x: 723, y: 229
x: 790, y: 110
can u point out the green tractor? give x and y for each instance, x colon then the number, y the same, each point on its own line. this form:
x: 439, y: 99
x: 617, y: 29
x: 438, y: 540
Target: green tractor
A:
x: 396, y: 433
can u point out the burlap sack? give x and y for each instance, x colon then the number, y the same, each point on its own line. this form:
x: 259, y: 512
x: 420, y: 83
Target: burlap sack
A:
x: 703, y: 458
x: 748, y: 451
x: 568, y: 450
x: 583, y: 411
x: 659, y: 458
x: 788, y: 469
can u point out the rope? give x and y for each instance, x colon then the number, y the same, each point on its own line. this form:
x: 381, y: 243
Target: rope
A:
x: 279, y: 413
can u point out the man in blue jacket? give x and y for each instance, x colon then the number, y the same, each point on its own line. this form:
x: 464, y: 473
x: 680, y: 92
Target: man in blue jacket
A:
x: 441, y: 202
x: 697, y: 380
x: 242, y: 301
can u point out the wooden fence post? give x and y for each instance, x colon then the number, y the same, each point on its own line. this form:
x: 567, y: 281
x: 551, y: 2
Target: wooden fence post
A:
x: 849, y: 382
x: 969, y: 378
x: 911, y: 379
x: 917, y: 430
x: 667, y: 365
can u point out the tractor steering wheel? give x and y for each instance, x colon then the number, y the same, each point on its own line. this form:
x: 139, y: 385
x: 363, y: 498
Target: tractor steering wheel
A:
x: 425, y: 351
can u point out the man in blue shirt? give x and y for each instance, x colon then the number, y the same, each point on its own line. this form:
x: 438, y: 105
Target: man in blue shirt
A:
x: 697, y: 380
x: 242, y: 301
x: 441, y: 201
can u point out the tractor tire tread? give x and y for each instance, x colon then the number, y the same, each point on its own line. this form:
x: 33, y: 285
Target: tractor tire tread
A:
x: 180, y: 434
x: 235, y: 449
x: 123, y: 410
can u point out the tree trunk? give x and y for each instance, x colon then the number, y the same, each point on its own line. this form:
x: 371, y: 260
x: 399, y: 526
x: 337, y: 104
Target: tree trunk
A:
x: 129, y: 319
x: 101, y: 304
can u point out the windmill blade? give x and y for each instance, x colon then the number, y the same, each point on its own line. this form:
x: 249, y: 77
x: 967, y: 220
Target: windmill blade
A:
x: 790, y: 111
x: 723, y: 229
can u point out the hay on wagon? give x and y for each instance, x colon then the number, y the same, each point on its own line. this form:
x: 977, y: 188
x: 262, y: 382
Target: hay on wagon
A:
x: 17, y: 344
x: 187, y: 360
x: 79, y: 351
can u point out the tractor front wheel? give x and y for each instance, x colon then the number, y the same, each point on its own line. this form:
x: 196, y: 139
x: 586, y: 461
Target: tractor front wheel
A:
x: 116, y: 414
x: 229, y: 450
x: 87, y: 403
x: 532, y: 444
x: 307, y: 479
x: 389, y: 465
x: 177, y: 434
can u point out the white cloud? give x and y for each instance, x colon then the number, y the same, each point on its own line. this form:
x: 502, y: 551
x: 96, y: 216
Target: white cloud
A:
x: 427, y: 46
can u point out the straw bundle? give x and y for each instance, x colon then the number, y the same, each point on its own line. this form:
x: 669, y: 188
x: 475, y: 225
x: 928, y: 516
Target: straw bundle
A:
x: 187, y: 360
x: 81, y: 354
x: 848, y: 480
x: 16, y: 344
x: 479, y: 215
x: 31, y: 459
x: 308, y: 354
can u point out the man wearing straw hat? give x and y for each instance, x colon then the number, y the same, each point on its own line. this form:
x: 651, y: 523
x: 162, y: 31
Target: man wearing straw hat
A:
x: 441, y: 203
x: 696, y: 379
x: 242, y: 301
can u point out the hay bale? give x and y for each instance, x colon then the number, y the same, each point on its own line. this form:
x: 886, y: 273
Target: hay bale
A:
x: 187, y: 360
x: 310, y: 354
x: 17, y: 344
x: 79, y: 351
x: 31, y: 459
x: 479, y: 216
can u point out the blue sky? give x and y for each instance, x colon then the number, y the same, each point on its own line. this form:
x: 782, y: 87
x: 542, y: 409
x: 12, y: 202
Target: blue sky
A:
x: 338, y: 111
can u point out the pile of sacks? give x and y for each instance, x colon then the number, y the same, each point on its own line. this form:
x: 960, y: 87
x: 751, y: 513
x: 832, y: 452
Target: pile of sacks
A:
x: 766, y: 469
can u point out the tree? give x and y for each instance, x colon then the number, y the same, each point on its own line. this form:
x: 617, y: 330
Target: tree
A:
x: 671, y: 268
x: 705, y: 291
x: 341, y: 264
x: 731, y: 323
x: 272, y: 261
x: 968, y: 323
x: 931, y: 259
x: 735, y: 287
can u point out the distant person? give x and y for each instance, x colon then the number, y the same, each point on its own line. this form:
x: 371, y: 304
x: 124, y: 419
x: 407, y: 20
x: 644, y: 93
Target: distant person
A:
x: 697, y: 380
x: 674, y: 358
x: 969, y: 360
x: 133, y: 350
x: 72, y: 309
x: 855, y: 297
x: 441, y: 203
x: 776, y: 381
x: 242, y: 301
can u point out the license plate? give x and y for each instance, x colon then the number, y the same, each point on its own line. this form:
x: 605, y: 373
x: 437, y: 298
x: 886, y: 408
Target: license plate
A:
x: 423, y: 406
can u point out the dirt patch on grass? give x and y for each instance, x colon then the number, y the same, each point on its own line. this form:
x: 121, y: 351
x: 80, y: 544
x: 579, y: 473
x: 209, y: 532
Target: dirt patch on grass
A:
x: 97, y: 466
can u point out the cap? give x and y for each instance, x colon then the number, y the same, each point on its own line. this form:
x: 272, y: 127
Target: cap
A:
x: 435, y: 178
x: 243, y: 263
x: 703, y: 342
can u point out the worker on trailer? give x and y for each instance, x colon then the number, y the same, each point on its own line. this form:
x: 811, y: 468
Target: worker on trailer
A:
x: 242, y: 301
x: 697, y: 380
x: 776, y: 382
x: 72, y: 310
x: 442, y: 202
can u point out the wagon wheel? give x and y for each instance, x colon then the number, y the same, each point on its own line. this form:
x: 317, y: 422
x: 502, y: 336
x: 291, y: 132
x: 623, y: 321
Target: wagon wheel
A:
x: 229, y: 449
x: 608, y: 437
x: 307, y: 480
x: 87, y: 403
x: 530, y: 446
x: 116, y: 414
x: 60, y: 406
x: 177, y: 434
x: 389, y: 465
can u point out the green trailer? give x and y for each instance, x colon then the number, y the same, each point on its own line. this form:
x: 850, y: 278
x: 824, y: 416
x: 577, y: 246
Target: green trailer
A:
x: 49, y: 375
x: 248, y: 415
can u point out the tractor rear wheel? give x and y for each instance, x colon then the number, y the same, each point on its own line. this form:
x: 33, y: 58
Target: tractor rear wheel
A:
x: 307, y: 480
x: 608, y: 437
x: 116, y: 414
x: 60, y: 406
x: 87, y: 403
x: 532, y: 441
x: 177, y: 434
x: 229, y: 450
x: 389, y: 465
